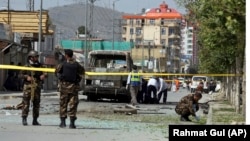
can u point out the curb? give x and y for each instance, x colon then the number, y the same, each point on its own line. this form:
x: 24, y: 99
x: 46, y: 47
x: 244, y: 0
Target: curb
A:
x: 210, y: 114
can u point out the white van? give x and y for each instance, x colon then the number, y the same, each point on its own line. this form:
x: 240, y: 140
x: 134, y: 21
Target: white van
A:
x: 196, y: 80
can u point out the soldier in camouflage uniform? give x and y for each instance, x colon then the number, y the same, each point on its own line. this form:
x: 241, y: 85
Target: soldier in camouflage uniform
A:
x: 32, y: 87
x: 69, y: 74
x: 188, y: 105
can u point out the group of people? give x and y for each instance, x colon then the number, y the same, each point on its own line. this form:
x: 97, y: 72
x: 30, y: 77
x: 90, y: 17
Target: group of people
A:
x: 143, y: 91
x: 69, y: 74
x: 151, y: 91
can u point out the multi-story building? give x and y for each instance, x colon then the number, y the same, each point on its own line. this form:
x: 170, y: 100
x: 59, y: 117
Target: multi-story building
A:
x: 156, y: 35
x: 187, y: 45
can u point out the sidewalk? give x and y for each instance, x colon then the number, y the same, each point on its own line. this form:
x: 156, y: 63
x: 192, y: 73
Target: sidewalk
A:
x: 222, y: 112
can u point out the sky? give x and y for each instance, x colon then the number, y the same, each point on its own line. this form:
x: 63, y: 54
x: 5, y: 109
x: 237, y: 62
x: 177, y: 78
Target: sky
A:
x: 127, y: 6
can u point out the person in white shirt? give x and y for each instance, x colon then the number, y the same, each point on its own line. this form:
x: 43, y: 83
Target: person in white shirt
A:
x: 152, y: 86
x: 163, y: 89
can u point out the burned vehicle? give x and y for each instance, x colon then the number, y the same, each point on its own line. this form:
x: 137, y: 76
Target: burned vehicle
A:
x: 110, y: 69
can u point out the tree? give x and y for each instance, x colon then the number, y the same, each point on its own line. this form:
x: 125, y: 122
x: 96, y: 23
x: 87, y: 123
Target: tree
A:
x: 220, y: 27
x: 81, y: 30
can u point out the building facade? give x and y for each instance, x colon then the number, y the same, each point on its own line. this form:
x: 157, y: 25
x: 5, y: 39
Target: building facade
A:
x: 156, y: 35
x: 187, y: 46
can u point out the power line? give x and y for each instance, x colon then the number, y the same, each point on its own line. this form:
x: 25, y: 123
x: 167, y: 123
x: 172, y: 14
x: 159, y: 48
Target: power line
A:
x: 30, y: 5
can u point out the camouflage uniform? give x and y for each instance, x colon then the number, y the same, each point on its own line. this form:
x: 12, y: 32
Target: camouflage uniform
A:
x: 185, y: 106
x: 31, y: 91
x: 68, y: 92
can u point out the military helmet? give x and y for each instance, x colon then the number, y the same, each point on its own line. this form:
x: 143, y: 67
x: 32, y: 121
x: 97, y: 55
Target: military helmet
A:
x: 33, y: 53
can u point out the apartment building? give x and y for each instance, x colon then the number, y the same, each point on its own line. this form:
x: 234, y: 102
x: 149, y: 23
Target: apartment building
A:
x: 187, y: 45
x: 156, y: 35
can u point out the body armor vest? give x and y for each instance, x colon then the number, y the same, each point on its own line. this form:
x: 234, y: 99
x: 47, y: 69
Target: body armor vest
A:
x: 36, y: 74
x: 69, y: 72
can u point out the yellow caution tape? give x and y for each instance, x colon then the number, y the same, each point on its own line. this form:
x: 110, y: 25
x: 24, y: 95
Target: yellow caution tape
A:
x: 112, y: 73
x: 26, y: 68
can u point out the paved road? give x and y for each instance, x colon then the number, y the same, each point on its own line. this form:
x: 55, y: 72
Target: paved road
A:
x: 96, y: 120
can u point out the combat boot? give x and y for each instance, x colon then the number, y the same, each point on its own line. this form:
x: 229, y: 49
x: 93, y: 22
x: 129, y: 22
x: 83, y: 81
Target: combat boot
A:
x: 25, y: 121
x: 35, y: 122
x: 72, y: 122
x: 185, y: 118
x: 62, y: 124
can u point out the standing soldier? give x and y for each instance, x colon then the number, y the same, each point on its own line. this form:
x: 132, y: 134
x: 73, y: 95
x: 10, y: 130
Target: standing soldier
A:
x: 134, y: 80
x: 70, y: 74
x: 33, y: 81
x: 188, y: 105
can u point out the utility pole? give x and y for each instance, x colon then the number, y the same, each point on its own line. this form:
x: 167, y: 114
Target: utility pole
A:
x: 85, y: 42
x: 9, y: 12
x: 91, y: 17
x: 30, y: 5
x: 40, y: 28
x: 113, y: 23
x: 142, y: 63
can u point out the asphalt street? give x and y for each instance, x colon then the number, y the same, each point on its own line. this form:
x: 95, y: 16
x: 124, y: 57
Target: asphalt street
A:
x: 96, y: 120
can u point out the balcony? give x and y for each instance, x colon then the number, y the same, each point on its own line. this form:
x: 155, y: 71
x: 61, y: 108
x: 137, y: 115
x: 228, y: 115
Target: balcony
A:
x: 174, y: 36
x: 175, y: 58
x: 175, y: 47
x: 174, y: 24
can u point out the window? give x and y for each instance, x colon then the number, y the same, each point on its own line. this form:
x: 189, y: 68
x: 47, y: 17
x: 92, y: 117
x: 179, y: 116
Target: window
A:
x: 131, y: 21
x: 131, y: 31
x: 131, y: 40
x: 138, y: 31
x: 152, y: 21
x: 158, y: 10
x: 190, y: 30
x: 190, y: 35
x: 162, y: 22
x: 163, y: 41
x: 190, y: 46
x: 163, y: 31
x: 189, y: 41
x: 170, y: 42
x: 138, y: 22
x: 189, y: 52
x: 138, y: 41
x: 170, y: 31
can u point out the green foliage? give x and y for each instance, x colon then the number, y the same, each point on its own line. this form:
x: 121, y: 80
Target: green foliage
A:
x: 81, y: 30
x: 220, y: 27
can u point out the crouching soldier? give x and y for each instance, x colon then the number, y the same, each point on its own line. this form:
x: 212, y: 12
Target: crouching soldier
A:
x: 69, y: 74
x: 188, y: 105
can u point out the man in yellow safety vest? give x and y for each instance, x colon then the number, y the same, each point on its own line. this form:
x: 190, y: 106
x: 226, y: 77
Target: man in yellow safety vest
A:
x: 134, y: 82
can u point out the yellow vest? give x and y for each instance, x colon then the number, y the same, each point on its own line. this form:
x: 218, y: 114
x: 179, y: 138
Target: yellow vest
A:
x: 135, y: 79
